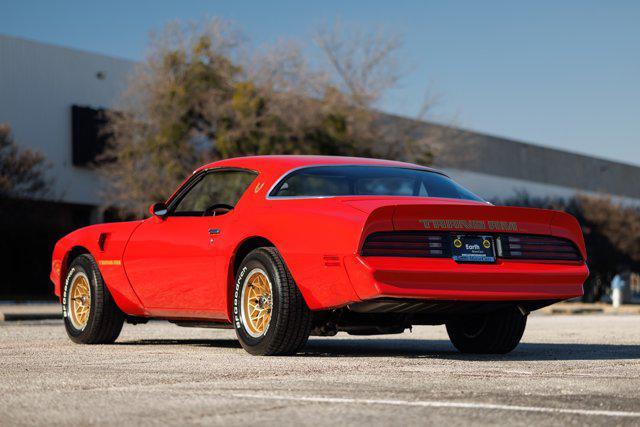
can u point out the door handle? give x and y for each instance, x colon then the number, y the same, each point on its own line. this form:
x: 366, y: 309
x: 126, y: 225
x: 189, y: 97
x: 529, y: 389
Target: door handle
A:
x: 213, y: 232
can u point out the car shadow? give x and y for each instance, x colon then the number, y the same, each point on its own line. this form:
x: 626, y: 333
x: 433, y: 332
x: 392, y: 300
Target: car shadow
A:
x: 443, y: 349
x: 220, y: 343
x: 434, y: 349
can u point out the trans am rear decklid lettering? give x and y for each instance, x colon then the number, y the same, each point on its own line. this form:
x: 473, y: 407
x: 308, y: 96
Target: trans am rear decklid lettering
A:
x: 442, y: 216
x: 465, y: 224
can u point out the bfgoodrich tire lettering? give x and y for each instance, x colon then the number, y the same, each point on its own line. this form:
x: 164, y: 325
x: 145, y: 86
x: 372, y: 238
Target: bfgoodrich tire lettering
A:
x: 105, y: 320
x: 290, y: 318
x: 494, y: 333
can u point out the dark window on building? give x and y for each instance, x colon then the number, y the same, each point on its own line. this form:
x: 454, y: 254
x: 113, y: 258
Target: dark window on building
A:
x: 88, y: 137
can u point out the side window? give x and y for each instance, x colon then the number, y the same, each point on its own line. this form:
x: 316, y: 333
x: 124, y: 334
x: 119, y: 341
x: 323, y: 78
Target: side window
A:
x: 214, y: 194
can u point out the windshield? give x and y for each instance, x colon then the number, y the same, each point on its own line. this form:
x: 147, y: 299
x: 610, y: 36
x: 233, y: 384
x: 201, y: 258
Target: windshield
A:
x: 317, y: 181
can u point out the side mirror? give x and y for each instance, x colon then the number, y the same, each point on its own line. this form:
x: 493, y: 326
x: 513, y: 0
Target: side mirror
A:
x: 158, y: 209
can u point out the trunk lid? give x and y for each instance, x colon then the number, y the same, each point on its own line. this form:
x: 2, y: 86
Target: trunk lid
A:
x: 476, y: 218
x: 401, y: 214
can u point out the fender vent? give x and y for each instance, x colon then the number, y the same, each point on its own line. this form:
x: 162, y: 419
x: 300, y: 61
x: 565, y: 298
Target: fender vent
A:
x: 102, y: 240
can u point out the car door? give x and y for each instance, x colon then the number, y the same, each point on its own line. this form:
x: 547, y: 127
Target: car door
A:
x: 172, y: 262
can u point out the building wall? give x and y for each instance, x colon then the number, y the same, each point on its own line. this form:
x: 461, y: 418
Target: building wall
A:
x: 494, y: 187
x: 498, y: 166
x: 528, y: 162
x: 38, y: 85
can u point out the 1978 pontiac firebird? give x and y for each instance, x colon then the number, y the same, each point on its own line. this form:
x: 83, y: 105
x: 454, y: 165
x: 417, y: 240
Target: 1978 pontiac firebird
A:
x: 281, y: 247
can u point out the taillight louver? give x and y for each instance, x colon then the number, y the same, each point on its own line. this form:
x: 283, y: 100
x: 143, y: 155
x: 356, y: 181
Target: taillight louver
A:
x: 423, y: 244
x: 407, y: 244
x: 538, y: 247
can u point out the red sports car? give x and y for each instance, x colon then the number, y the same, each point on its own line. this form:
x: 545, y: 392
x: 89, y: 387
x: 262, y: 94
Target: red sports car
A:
x: 281, y: 247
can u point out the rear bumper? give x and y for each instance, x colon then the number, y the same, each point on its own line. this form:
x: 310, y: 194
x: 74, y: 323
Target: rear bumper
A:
x: 444, y: 279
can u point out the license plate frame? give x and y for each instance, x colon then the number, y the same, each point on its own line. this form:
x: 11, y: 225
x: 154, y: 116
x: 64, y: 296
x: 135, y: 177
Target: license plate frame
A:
x: 478, y: 249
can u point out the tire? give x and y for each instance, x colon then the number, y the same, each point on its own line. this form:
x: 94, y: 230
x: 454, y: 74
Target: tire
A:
x: 100, y: 321
x: 494, y: 333
x: 289, y: 319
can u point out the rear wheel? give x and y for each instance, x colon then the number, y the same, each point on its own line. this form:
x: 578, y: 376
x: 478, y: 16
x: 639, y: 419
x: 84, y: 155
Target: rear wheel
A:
x: 90, y: 314
x: 494, y: 333
x: 269, y: 314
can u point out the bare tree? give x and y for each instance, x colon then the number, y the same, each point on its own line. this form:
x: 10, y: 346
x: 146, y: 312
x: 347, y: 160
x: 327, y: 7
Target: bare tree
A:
x: 201, y: 95
x: 611, y: 230
x: 22, y: 172
x: 159, y: 121
x: 365, y: 66
x: 620, y: 224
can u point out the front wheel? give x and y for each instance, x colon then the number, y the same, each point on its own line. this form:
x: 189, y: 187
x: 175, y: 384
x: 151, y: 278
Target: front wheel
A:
x: 90, y: 314
x: 270, y: 315
x: 494, y: 333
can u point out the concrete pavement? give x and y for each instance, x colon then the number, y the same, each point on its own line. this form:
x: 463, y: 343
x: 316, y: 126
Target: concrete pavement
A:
x: 569, y: 370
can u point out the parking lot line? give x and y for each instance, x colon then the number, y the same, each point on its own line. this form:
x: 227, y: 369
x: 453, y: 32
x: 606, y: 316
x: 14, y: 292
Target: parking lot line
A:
x: 443, y: 404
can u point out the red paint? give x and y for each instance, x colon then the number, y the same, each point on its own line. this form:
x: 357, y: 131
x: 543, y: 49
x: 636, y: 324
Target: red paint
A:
x: 171, y: 268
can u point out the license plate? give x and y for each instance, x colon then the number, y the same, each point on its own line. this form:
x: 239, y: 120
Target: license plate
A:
x: 473, y: 249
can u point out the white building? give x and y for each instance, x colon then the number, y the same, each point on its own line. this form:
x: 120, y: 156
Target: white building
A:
x: 40, y: 83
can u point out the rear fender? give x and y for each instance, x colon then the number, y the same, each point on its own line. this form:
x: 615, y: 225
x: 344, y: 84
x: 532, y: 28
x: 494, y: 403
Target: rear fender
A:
x: 566, y: 226
x: 313, y: 237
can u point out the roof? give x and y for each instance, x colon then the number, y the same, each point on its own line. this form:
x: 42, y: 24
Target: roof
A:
x: 284, y: 163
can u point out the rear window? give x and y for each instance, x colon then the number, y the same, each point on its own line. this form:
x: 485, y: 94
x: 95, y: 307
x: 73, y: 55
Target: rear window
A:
x: 318, y: 181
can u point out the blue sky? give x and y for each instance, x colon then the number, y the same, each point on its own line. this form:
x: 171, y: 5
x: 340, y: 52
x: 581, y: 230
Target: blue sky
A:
x: 557, y: 73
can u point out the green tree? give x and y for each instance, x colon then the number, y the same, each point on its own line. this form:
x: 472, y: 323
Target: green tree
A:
x: 200, y: 96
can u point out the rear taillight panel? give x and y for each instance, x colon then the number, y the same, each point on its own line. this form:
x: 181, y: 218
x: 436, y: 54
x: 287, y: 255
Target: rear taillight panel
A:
x: 425, y: 244
x: 407, y: 244
x: 515, y: 246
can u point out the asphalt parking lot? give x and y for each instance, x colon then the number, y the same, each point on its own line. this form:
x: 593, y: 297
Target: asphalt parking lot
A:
x: 568, y: 370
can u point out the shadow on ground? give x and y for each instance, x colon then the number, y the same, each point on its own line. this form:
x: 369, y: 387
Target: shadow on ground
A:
x: 437, y: 349
x: 443, y: 349
x: 224, y: 343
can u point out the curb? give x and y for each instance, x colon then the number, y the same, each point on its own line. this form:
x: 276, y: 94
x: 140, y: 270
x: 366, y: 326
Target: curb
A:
x: 578, y: 309
x: 26, y: 311
x: 17, y: 317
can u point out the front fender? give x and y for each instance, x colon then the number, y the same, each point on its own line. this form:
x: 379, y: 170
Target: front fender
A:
x: 106, y: 244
